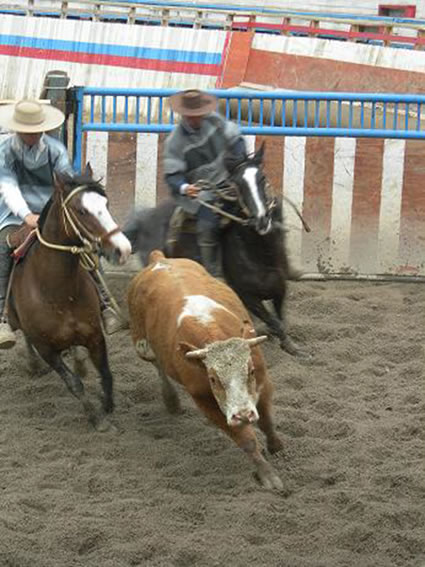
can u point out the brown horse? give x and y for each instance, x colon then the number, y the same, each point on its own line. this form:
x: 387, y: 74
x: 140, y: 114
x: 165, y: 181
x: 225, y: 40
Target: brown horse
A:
x: 54, y: 300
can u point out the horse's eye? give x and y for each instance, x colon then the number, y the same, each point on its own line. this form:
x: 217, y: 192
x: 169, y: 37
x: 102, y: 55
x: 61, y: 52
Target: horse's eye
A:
x: 82, y: 212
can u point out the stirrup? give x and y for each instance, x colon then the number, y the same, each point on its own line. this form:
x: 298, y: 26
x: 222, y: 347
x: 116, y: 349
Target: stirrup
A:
x: 112, y: 322
x: 7, y: 336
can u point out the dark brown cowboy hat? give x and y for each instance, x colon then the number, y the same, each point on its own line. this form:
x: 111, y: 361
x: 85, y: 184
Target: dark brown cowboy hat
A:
x: 193, y: 103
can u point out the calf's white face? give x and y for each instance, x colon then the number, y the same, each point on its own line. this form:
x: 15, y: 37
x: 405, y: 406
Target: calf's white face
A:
x: 232, y: 379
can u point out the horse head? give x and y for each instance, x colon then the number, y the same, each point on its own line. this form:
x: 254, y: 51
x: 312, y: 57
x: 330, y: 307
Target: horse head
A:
x: 87, y: 219
x: 248, y: 175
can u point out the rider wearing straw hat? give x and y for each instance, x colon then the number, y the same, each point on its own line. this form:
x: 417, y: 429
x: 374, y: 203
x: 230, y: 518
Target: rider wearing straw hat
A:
x: 195, y: 151
x: 28, y: 160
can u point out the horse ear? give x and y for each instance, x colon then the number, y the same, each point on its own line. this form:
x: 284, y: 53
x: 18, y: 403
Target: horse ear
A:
x: 88, y: 172
x: 231, y: 161
x: 259, y: 154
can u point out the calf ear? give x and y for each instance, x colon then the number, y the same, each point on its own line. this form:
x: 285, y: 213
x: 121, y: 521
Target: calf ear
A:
x: 191, y: 351
x: 247, y: 331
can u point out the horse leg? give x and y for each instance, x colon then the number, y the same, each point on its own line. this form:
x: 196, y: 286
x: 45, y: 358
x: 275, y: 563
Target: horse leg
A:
x: 286, y: 343
x: 72, y: 381
x: 34, y: 361
x: 273, y: 322
x: 99, y: 357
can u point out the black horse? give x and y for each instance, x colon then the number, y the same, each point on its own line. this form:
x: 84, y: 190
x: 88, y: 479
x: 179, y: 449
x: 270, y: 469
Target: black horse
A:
x: 254, y: 259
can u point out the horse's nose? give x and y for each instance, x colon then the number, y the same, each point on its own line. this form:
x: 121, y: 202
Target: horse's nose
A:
x: 121, y: 248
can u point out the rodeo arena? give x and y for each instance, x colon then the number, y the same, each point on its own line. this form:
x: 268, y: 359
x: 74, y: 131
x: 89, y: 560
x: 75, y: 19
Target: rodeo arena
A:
x: 212, y: 283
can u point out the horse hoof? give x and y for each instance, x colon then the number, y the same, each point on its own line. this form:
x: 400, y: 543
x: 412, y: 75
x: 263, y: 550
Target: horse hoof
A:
x: 289, y: 346
x: 105, y: 426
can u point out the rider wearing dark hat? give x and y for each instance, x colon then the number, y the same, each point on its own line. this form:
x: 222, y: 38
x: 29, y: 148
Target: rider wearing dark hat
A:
x: 28, y: 160
x: 195, y: 151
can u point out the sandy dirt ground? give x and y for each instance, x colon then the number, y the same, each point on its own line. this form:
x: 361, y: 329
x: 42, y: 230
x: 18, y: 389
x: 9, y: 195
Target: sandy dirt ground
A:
x: 174, y: 491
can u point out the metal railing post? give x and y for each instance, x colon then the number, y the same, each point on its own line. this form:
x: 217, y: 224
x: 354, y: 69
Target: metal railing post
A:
x: 77, y: 94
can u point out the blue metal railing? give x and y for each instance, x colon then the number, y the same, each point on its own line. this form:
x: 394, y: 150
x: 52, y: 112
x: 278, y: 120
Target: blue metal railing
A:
x: 276, y: 113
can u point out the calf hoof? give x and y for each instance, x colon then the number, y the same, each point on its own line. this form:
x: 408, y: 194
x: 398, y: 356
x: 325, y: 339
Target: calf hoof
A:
x: 105, y: 426
x: 173, y: 405
x: 274, y: 445
x: 268, y: 478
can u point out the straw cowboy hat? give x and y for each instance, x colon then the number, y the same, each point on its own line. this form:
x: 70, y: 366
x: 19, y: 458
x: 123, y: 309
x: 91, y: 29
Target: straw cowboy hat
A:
x: 29, y: 116
x: 193, y: 103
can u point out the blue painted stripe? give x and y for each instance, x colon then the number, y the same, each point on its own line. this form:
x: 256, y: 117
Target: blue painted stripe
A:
x: 154, y: 53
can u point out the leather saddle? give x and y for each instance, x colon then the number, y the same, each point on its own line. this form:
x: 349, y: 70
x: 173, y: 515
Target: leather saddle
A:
x: 20, y: 241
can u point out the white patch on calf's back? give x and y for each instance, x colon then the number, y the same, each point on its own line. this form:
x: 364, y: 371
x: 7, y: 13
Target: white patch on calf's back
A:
x: 201, y: 307
x: 160, y: 266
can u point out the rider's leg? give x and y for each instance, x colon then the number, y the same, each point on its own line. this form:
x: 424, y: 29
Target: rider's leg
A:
x: 7, y: 336
x: 112, y: 321
x: 208, y: 238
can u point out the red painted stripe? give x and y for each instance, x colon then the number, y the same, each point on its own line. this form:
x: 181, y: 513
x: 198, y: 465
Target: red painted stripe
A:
x: 112, y: 60
x: 317, y: 206
x: 412, y: 222
x: 366, y: 204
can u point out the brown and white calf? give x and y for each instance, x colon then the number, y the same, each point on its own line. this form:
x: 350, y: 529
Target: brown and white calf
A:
x: 196, y: 331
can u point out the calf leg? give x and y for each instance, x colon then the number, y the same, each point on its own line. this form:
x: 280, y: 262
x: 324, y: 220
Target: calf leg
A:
x: 265, y: 421
x: 169, y: 393
x: 246, y: 439
x: 72, y: 381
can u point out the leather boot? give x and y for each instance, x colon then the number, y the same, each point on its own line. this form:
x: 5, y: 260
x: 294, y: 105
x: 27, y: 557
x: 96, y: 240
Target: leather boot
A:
x: 211, y: 260
x: 7, y: 336
x: 111, y: 320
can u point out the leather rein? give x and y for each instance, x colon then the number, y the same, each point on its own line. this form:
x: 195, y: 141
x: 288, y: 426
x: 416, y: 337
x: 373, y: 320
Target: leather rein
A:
x: 230, y: 193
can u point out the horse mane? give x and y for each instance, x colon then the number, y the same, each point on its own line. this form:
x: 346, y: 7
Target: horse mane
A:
x: 44, y: 212
x: 77, y: 180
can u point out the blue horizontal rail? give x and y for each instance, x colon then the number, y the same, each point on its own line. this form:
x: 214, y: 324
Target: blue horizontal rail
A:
x: 270, y: 113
